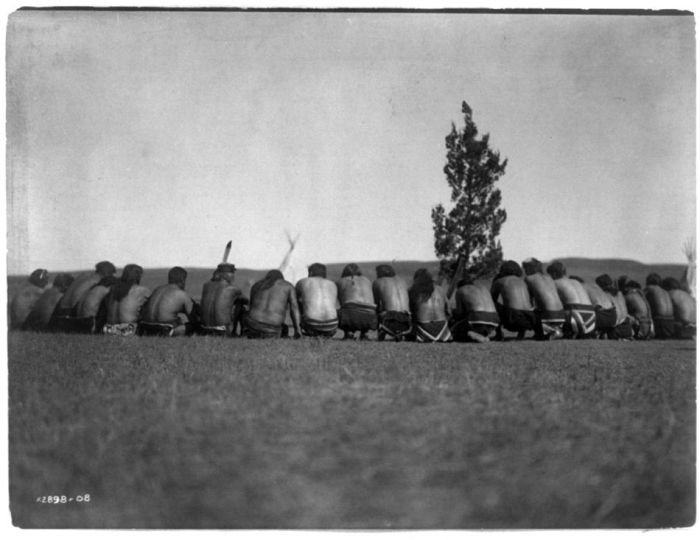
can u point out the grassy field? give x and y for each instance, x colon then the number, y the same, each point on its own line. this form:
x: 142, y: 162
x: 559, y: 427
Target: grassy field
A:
x: 214, y: 433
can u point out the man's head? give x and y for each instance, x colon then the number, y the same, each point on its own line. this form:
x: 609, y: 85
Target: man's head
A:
x: 654, y: 279
x: 131, y: 275
x: 385, y: 270
x: 670, y: 284
x: 351, y: 270
x: 272, y: 277
x: 317, y: 270
x: 62, y: 282
x: 40, y: 277
x: 576, y: 278
x: 177, y: 276
x: 532, y: 266
x: 557, y: 270
x: 606, y: 283
x: 225, y: 271
x: 105, y: 268
x: 509, y: 268
x: 422, y: 287
x: 629, y: 285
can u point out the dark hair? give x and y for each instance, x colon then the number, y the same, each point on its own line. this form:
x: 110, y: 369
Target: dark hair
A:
x: 40, y: 277
x: 556, y: 270
x: 385, y: 270
x: 351, y: 270
x: 670, y: 284
x: 653, y: 279
x: 630, y: 284
x: 177, y: 274
x: 317, y: 270
x: 577, y: 278
x: 422, y: 287
x: 272, y: 277
x: 131, y: 275
x: 226, y: 268
x: 606, y: 283
x: 107, y: 281
x: 62, y: 281
x: 532, y: 266
x: 105, y: 268
x: 509, y: 268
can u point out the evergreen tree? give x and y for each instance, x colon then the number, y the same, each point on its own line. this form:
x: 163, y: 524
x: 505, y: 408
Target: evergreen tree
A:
x: 470, y: 229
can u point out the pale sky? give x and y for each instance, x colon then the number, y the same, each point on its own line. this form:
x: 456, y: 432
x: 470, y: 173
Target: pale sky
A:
x: 155, y: 137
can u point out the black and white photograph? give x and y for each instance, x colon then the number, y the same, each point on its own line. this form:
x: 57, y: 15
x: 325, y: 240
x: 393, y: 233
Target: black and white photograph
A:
x: 335, y: 268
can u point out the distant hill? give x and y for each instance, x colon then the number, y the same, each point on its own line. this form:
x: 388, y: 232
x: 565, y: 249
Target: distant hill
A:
x: 587, y: 269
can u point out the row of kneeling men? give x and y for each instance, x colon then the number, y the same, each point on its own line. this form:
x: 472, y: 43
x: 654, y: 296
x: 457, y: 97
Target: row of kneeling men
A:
x: 545, y: 305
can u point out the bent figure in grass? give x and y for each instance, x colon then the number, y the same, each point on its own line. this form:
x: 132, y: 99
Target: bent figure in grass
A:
x: 638, y: 308
x: 358, y: 312
x: 429, y: 309
x: 317, y: 297
x: 170, y: 312
x: 549, y: 311
x: 475, y: 318
x: 122, y: 306
x: 222, y: 303
x: 605, y: 312
x: 661, y: 307
x: 393, y: 311
x: 270, y: 300
x: 39, y: 319
x: 90, y: 312
x: 683, y: 309
x: 622, y: 329
x: 581, y: 319
x: 512, y: 299
x: 65, y: 318
x: 26, y: 298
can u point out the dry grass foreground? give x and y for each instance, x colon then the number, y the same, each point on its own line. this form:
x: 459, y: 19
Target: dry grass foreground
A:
x: 214, y: 433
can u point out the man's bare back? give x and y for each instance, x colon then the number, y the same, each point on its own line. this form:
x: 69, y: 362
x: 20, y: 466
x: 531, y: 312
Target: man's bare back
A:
x: 659, y: 301
x: 317, y: 298
x: 168, y: 304
x: 390, y: 294
x: 473, y: 297
x: 571, y: 292
x: 543, y: 291
x: 511, y: 292
x: 269, y: 304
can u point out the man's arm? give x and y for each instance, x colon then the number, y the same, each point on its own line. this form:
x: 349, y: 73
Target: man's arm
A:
x: 294, y: 312
x: 377, y: 294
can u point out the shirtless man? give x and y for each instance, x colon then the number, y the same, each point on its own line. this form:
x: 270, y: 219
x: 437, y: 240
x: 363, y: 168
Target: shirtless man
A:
x: 429, y: 309
x: 661, y: 307
x: 26, y: 298
x: 605, y: 312
x: 357, y: 312
x: 512, y: 299
x: 169, y: 311
x: 638, y: 308
x: 39, y: 318
x: 683, y: 309
x: 577, y: 303
x: 65, y: 315
x: 549, y: 310
x: 124, y: 302
x: 393, y: 310
x: 622, y: 328
x: 270, y: 300
x: 475, y: 318
x: 318, y: 303
x: 222, y: 303
x: 90, y: 314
